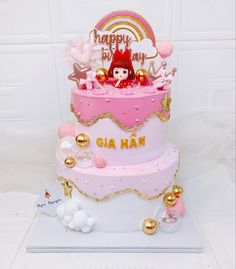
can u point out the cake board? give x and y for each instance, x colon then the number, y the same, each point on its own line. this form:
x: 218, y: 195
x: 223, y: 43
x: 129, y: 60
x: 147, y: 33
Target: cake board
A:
x: 49, y: 235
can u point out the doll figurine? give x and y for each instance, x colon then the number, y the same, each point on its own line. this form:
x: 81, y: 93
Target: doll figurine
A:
x: 121, y: 70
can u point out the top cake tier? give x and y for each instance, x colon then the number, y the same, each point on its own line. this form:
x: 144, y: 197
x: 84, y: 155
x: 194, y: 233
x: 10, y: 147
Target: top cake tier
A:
x: 129, y: 111
x: 122, y: 94
x: 124, y: 128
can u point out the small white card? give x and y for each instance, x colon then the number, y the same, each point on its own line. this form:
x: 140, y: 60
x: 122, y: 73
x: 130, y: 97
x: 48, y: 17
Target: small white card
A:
x: 50, y: 199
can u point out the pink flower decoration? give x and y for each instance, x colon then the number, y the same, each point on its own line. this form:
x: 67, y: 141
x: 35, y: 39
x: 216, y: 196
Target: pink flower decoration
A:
x: 165, y: 49
x: 79, y: 51
x: 66, y: 129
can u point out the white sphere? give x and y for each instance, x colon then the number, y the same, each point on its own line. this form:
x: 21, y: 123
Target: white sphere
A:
x: 86, y: 229
x: 60, y: 210
x: 80, y: 218
x: 67, y: 218
x: 84, y: 158
x: 169, y: 219
x: 71, y: 225
x: 71, y: 206
x: 76, y: 201
x: 65, y: 223
x: 90, y: 222
x: 66, y: 147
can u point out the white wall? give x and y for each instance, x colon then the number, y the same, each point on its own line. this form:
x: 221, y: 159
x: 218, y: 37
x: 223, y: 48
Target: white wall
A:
x: 34, y: 90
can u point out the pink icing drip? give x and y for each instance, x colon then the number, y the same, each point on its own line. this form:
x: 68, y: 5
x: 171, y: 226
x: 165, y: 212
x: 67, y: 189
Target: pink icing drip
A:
x: 130, y: 110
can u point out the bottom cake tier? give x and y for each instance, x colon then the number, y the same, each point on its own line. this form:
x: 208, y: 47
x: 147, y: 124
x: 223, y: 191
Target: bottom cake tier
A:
x: 119, y: 198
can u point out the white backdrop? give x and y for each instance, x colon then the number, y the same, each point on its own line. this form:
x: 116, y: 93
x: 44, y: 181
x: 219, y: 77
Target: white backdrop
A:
x: 34, y: 90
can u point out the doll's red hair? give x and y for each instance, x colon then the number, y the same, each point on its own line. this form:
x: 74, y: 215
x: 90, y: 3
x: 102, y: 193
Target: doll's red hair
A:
x: 122, y: 60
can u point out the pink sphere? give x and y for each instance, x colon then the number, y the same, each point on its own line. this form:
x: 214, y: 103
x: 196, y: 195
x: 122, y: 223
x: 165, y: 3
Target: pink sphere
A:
x: 100, y: 162
x: 165, y: 49
x: 66, y: 129
x: 180, y: 207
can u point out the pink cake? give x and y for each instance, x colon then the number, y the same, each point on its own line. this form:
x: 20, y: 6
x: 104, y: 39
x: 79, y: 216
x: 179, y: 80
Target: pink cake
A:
x: 115, y: 163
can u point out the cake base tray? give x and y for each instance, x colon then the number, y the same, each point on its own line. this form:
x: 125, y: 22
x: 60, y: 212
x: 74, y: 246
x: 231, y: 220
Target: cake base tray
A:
x: 49, y: 235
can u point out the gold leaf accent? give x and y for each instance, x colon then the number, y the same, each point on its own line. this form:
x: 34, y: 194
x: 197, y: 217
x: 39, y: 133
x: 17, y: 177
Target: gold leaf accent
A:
x: 162, y: 116
x: 166, y: 103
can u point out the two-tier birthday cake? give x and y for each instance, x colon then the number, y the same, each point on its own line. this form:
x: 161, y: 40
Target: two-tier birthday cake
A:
x: 115, y: 163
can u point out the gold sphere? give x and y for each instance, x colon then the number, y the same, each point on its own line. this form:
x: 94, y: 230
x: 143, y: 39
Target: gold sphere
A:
x: 150, y: 226
x: 70, y: 162
x: 82, y: 140
x: 141, y: 75
x: 102, y: 75
x: 177, y: 190
x: 169, y: 199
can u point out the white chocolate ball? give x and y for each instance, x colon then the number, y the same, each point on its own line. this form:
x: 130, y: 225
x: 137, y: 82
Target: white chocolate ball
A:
x: 66, y: 147
x: 71, y: 206
x: 86, y: 229
x: 90, y: 222
x: 60, y: 211
x: 67, y: 218
x: 80, y: 218
x: 71, y: 225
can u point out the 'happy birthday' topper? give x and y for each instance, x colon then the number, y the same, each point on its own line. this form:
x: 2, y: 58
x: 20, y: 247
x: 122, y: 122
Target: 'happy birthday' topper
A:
x: 116, y: 53
x: 122, y: 30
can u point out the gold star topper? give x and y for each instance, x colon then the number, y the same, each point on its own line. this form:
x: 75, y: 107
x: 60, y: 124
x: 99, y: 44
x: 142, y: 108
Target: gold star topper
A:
x: 67, y: 189
x: 79, y: 73
x: 166, y: 103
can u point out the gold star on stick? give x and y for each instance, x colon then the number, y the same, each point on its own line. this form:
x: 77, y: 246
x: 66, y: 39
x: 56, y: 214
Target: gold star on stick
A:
x: 166, y: 103
x: 67, y: 189
x: 79, y: 73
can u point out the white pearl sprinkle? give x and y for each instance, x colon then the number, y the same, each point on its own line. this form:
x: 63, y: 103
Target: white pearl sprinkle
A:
x: 153, y: 99
x: 111, y: 187
x: 86, y: 181
x: 136, y: 107
x: 137, y: 120
x: 107, y: 100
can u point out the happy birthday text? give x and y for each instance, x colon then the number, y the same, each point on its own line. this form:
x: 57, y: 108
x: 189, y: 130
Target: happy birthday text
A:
x: 113, y: 41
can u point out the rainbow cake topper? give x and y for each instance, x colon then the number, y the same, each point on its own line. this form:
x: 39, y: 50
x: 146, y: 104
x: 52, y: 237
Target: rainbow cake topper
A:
x: 127, y: 20
x: 116, y: 53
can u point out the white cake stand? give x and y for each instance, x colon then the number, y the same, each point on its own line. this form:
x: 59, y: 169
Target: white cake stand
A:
x: 49, y: 235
